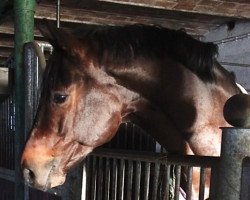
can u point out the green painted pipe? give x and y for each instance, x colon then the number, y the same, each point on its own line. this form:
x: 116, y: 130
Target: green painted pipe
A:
x: 24, y: 32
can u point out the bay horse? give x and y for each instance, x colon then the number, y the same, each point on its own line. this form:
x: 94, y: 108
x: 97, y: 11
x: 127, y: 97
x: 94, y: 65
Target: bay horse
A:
x: 98, y: 77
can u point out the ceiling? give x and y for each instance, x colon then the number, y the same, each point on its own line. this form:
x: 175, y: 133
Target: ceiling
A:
x: 197, y: 17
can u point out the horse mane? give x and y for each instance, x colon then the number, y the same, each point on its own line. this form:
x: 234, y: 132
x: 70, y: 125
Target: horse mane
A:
x: 124, y: 43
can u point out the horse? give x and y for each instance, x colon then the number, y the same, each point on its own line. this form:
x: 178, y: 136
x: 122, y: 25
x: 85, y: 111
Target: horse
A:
x: 98, y: 77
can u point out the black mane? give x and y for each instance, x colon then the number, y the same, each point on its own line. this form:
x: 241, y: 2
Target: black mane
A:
x: 127, y: 42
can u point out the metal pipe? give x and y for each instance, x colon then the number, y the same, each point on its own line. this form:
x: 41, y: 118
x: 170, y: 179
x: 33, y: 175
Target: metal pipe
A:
x: 189, y: 183
x: 163, y: 158
x: 137, y: 180
x: 235, y: 147
x: 24, y: 32
x: 177, y: 182
x: 58, y: 6
x: 114, y: 180
x: 107, y: 179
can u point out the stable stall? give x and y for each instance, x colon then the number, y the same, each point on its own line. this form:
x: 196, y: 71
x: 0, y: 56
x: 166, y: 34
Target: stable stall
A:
x: 133, y: 165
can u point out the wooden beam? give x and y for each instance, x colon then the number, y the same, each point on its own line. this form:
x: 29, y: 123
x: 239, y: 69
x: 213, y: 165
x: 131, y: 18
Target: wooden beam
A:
x: 117, y: 14
x: 90, y: 16
x: 6, y: 42
x: 234, y: 8
x: 8, y: 29
x: 5, y: 54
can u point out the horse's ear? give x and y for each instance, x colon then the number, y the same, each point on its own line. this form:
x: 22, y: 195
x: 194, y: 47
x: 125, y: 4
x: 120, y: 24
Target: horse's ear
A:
x: 61, y: 39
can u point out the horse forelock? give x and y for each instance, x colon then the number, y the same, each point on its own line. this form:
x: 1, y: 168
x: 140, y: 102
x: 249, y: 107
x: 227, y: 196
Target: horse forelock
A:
x: 121, y: 44
x: 63, y: 69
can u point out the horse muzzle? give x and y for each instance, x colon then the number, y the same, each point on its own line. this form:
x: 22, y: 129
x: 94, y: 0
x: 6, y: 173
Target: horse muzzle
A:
x: 44, y: 167
x: 44, y: 176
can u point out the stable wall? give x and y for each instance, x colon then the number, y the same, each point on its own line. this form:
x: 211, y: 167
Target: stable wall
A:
x: 234, y: 49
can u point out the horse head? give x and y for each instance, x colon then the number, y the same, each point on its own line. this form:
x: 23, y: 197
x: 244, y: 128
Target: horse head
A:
x: 79, y: 110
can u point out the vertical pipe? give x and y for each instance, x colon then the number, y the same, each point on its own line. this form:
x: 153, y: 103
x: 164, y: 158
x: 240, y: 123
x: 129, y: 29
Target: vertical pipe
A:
x: 155, y: 181
x: 202, y: 183
x: 88, y: 178
x: 177, y: 182
x: 107, y: 179
x: 58, y: 13
x: 121, y: 180
x: 166, y: 182
x: 137, y: 180
x: 100, y: 179
x: 235, y: 147
x: 94, y: 177
x: 146, y: 181
x: 24, y: 32
x: 114, y: 180
x: 84, y: 180
x: 129, y: 180
x: 189, y: 182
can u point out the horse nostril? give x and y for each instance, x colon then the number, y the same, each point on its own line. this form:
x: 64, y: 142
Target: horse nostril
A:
x: 28, y: 175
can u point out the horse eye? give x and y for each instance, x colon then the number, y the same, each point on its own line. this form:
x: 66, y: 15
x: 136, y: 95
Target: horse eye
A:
x: 60, y: 98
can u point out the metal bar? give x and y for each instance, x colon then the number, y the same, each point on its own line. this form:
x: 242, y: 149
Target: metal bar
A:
x: 146, y: 181
x: 93, y: 182
x: 177, y: 182
x: 189, y: 183
x: 202, y: 184
x: 163, y: 158
x: 4, y: 128
x: 166, y: 182
x: 155, y: 181
x: 8, y: 134
x: 232, y: 39
x: 24, y: 32
x: 5, y: 138
x: 153, y: 157
x: 114, y: 180
x: 107, y: 179
x: 88, y: 178
x: 234, y: 64
x: 58, y: 6
x: 100, y: 179
x: 13, y: 128
x: 121, y: 180
x: 137, y: 180
x: 1, y: 134
x: 129, y: 180
x: 29, y: 90
x: 84, y: 180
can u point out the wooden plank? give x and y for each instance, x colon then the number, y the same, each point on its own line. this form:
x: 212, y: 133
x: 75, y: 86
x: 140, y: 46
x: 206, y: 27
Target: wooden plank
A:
x: 112, y: 17
x: 222, y: 8
x: 6, y: 42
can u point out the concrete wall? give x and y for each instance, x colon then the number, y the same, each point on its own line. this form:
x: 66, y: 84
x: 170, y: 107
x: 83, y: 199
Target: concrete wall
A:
x: 234, y: 50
